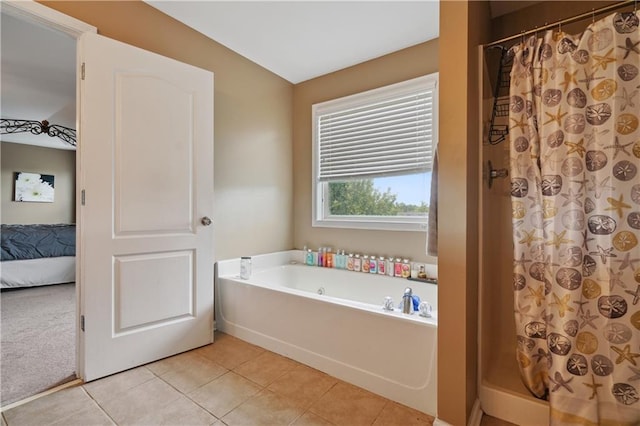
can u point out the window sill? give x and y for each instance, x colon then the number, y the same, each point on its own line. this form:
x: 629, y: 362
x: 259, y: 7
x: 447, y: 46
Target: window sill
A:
x: 371, y: 225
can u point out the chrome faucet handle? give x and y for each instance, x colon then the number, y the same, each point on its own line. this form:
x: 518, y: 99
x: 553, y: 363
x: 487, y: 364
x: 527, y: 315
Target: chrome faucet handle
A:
x: 388, y: 304
x: 425, y: 309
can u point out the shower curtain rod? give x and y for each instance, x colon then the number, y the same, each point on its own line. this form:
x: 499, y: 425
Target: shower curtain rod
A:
x: 561, y: 22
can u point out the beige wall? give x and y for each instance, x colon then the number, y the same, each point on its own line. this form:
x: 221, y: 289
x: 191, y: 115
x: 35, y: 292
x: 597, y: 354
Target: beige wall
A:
x: 252, y: 122
x: 543, y: 13
x: 34, y: 159
x: 403, y: 65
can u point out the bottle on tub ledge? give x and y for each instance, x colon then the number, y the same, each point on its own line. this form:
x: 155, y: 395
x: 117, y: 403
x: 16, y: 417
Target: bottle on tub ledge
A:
x: 389, y: 266
x: 310, y: 259
x: 381, y: 265
x: 357, y: 263
x: 406, y: 268
x: 373, y: 265
x: 350, y: 262
x: 329, y: 262
x: 365, y: 265
x: 340, y: 262
x: 397, y: 267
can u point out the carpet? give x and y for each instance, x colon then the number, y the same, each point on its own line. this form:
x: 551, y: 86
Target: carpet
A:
x: 38, y: 340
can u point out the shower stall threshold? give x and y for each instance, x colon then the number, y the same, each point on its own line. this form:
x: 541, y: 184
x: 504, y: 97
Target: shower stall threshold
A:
x: 514, y: 407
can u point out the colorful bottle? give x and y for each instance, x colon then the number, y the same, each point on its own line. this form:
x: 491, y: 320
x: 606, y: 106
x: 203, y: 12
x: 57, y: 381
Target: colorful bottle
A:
x: 350, y: 262
x: 406, y: 268
x: 330, y: 258
x: 381, y: 265
x: 421, y: 272
x: 357, y: 263
x: 309, y: 259
x: 389, y: 266
x: 373, y: 265
x: 340, y: 260
x: 365, y: 263
x: 320, y: 256
x: 397, y: 267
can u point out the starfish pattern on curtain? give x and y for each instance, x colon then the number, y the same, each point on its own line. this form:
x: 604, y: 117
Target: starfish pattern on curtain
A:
x: 575, y: 192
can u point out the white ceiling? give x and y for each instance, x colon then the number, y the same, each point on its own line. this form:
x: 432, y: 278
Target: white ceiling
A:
x: 300, y: 40
x: 38, y: 79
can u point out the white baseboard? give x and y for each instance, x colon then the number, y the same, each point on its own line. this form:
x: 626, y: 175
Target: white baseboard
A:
x: 476, y: 414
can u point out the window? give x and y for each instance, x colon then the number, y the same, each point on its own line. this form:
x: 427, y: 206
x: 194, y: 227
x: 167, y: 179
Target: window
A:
x: 372, y: 157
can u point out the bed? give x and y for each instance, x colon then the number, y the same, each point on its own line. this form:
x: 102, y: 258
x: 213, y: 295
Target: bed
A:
x: 34, y: 255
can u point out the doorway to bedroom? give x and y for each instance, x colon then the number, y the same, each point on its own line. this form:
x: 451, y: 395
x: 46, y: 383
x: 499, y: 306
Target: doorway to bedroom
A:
x: 38, y: 211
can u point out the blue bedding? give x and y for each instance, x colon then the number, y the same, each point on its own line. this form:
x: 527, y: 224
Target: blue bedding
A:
x: 21, y: 242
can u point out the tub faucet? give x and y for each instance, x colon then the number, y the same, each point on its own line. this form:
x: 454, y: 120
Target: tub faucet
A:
x: 407, y: 301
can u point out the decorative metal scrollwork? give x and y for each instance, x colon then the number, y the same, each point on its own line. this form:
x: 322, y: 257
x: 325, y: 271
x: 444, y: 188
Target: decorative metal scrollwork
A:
x: 9, y: 126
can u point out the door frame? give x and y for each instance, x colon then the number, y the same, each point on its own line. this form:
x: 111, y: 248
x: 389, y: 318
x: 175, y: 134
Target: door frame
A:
x: 38, y: 14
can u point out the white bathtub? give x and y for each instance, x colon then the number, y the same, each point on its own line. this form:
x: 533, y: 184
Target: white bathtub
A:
x: 343, y: 332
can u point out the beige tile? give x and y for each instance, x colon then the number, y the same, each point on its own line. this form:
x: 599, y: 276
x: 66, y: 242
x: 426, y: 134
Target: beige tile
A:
x: 310, y: 419
x: 224, y: 393
x: 113, y: 386
x: 49, y: 409
x: 394, y: 414
x: 266, y: 368
x: 91, y: 415
x: 229, y: 351
x: 171, y: 363
x: 303, y: 385
x: 182, y: 411
x: 345, y: 404
x: 190, y: 371
x: 140, y: 401
x: 265, y: 408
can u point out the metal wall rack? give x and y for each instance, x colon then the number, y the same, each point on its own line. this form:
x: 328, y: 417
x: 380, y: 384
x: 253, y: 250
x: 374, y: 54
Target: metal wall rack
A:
x: 499, y: 127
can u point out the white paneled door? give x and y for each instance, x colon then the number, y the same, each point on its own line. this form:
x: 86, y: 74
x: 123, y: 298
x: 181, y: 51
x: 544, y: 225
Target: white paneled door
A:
x: 145, y: 241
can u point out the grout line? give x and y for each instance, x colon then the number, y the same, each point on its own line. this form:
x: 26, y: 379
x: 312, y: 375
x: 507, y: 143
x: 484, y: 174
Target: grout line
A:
x: 387, y: 402
x: 193, y: 390
x: 99, y: 406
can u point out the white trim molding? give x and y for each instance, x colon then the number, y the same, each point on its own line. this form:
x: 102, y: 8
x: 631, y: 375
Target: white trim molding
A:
x: 38, y: 14
x: 476, y: 414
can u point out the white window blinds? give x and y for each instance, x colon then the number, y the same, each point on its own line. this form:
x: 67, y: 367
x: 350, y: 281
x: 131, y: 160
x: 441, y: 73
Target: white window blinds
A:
x: 388, y: 131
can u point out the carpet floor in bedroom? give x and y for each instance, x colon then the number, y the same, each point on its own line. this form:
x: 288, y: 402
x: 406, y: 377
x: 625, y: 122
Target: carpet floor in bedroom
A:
x: 38, y: 347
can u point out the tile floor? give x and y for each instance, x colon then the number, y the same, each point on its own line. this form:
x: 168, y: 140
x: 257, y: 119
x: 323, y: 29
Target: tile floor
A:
x: 229, y: 382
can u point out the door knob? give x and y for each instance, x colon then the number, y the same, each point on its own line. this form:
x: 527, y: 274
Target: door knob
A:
x: 206, y: 221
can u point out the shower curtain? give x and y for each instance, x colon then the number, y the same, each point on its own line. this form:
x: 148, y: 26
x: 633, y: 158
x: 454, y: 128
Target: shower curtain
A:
x: 575, y: 193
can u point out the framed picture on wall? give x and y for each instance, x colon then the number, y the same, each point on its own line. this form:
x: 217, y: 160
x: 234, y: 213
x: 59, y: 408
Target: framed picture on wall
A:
x: 34, y: 187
